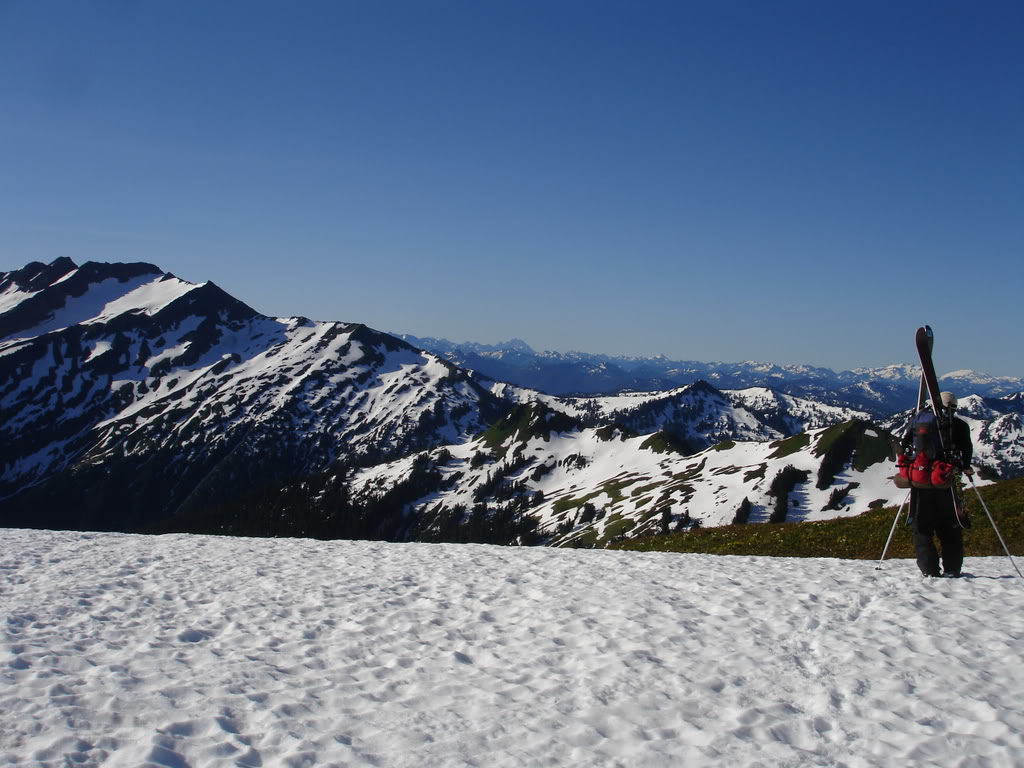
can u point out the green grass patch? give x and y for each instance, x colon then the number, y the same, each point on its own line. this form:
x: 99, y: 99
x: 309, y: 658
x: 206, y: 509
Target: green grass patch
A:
x: 726, y: 471
x: 691, y: 473
x: 587, y: 539
x: 564, y: 505
x: 850, y: 444
x: 618, y: 526
x: 873, y: 449
x: 828, y: 438
x: 646, y: 488
x: 861, y: 537
x: 614, y: 489
x: 532, y: 420
x: 685, y: 489
x: 789, y: 446
x: 662, y: 442
x: 504, y: 428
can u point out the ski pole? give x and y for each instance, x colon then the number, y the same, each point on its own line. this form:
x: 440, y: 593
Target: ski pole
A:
x: 994, y: 526
x: 892, y: 531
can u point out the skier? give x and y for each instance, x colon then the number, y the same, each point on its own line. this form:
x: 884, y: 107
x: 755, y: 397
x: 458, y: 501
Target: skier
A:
x: 933, y: 511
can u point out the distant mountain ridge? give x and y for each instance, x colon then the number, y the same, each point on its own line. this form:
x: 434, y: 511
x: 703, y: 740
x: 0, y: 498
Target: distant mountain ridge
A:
x: 881, y: 391
x: 131, y: 399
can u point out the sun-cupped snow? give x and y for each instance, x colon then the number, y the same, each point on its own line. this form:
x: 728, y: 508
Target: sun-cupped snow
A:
x: 177, y: 650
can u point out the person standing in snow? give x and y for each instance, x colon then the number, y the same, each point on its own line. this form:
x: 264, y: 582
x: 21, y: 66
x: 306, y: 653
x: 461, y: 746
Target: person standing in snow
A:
x: 933, y: 510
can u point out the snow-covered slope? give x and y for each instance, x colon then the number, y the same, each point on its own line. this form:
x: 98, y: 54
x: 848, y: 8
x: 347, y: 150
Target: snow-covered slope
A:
x: 997, y: 431
x: 123, y: 651
x: 698, y: 415
x: 161, y: 393
x: 588, y: 486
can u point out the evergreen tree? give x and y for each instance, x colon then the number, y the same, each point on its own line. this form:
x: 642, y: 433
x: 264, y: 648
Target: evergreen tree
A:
x: 743, y: 513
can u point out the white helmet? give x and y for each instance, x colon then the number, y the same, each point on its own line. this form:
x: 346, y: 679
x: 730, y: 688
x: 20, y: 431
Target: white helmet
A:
x: 948, y: 400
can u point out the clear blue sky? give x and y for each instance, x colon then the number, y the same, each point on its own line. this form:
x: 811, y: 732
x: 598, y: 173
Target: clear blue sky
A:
x: 785, y: 181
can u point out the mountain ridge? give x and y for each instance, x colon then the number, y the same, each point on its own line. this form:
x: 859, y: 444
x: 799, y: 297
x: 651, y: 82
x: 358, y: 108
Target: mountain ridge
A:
x: 131, y: 399
x: 883, y: 390
x: 156, y: 371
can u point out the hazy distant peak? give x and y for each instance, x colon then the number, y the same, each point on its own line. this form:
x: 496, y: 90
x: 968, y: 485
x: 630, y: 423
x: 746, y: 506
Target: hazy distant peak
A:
x: 447, y: 345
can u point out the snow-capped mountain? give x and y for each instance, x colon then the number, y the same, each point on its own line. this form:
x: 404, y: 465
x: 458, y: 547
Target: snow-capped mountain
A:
x: 131, y: 399
x: 128, y: 394
x: 880, y: 391
x: 554, y: 373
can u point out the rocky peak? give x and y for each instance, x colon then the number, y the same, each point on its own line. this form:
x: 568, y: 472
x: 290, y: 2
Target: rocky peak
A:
x: 36, y: 276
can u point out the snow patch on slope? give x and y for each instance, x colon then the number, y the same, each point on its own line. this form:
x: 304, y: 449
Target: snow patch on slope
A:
x: 84, y: 308
x: 13, y: 296
x: 148, y: 298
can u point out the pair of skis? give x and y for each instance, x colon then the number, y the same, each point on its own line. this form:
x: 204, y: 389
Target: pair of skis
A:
x: 925, y: 341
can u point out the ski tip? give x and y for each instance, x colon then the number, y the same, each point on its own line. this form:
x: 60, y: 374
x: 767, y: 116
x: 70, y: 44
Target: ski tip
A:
x: 924, y: 336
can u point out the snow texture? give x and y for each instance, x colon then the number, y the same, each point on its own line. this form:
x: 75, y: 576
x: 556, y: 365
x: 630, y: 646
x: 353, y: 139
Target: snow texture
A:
x: 180, y: 650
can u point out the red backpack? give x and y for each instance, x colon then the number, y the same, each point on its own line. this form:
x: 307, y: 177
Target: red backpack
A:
x: 927, y: 468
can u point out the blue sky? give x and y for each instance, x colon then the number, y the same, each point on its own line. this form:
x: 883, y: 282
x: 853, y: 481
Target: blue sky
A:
x: 796, y: 182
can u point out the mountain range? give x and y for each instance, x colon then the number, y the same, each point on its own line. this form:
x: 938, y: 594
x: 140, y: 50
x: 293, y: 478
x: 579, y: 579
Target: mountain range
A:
x: 133, y: 400
x: 880, y: 391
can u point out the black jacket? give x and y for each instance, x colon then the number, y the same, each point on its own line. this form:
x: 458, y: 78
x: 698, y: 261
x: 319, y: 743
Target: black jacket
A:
x: 962, y: 450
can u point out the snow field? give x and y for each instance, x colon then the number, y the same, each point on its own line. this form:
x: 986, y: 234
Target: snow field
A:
x: 200, y: 651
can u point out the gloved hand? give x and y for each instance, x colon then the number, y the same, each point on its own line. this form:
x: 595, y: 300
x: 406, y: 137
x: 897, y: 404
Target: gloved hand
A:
x: 969, y: 470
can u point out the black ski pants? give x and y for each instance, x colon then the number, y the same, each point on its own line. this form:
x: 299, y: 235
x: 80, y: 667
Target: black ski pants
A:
x: 934, y: 515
